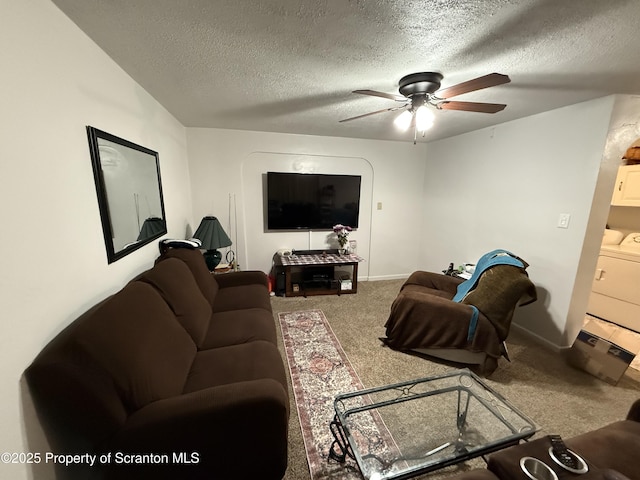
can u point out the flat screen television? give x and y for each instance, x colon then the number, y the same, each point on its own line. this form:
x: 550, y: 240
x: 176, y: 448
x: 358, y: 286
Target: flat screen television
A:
x: 310, y: 201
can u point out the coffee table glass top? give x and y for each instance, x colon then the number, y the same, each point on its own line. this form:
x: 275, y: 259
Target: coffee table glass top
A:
x: 402, y: 430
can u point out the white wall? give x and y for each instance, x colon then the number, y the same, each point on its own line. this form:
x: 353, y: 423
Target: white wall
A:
x: 505, y: 187
x: 53, y: 264
x: 226, y: 163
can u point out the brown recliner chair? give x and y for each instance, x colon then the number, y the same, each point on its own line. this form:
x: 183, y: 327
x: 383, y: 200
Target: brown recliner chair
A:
x: 464, y: 321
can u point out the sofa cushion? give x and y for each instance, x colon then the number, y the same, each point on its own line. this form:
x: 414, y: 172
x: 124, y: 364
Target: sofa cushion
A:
x: 196, y: 263
x: 242, y: 277
x: 175, y: 282
x: 135, y: 337
x: 242, y: 296
x: 240, y: 326
x: 236, y: 363
x: 75, y: 397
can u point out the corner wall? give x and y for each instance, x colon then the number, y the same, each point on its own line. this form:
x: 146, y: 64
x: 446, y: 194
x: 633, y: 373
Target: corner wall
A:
x: 505, y: 187
x: 55, y: 81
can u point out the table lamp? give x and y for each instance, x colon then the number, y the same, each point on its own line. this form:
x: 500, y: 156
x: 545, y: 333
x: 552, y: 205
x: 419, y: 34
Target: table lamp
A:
x: 212, y: 236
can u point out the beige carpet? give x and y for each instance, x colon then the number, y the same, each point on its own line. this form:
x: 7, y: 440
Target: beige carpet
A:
x: 538, y: 381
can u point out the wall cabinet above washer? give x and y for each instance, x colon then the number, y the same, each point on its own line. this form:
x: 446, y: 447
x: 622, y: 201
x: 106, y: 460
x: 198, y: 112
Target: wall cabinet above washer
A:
x: 627, y: 188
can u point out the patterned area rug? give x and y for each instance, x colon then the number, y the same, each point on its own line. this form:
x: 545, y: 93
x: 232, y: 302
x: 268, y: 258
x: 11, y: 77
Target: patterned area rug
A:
x: 320, y: 370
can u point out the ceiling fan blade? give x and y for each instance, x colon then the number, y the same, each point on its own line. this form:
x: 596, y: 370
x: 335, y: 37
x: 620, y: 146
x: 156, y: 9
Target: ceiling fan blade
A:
x: 491, y: 80
x: 390, y: 96
x: 372, y: 113
x: 471, y: 106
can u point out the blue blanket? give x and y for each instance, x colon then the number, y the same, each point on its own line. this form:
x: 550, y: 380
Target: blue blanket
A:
x: 488, y: 260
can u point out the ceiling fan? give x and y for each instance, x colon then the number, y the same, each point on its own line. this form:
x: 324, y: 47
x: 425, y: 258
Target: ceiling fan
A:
x: 418, y: 91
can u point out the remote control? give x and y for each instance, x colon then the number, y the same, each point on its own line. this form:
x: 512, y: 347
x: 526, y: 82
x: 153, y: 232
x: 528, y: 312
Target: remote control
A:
x: 561, y: 452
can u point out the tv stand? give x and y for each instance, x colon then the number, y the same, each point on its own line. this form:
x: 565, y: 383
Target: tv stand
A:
x: 318, y: 272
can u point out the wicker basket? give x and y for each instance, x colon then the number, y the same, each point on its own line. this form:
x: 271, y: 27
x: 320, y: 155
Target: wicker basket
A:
x: 632, y: 156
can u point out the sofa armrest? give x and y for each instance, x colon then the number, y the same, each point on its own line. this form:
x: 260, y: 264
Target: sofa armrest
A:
x: 435, y: 281
x: 634, y: 411
x: 219, y: 424
x: 235, y: 279
x: 615, y: 445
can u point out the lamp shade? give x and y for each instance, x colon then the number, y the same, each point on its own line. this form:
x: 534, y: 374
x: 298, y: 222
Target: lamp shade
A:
x: 211, y: 234
x: 151, y: 227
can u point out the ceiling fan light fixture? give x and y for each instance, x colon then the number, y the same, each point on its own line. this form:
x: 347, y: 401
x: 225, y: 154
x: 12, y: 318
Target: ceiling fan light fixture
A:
x: 421, y: 91
x: 403, y: 121
x: 424, y: 118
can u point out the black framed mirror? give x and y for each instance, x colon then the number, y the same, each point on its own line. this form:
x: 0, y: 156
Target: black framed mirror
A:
x: 129, y: 189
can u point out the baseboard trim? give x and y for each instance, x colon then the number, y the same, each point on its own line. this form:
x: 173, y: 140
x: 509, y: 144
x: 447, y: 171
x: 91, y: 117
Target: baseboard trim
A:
x: 387, y: 277
x: 538, y: 339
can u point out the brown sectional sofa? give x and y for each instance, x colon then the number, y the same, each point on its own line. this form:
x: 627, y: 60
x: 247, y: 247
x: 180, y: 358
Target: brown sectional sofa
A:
x: 611, y: 453
x: 175, y: 376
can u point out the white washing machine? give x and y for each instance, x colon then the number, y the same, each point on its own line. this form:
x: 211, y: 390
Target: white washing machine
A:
x: 615, y: 294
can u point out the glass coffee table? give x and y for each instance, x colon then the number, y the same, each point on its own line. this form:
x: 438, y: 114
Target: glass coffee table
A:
x: 410, y: 428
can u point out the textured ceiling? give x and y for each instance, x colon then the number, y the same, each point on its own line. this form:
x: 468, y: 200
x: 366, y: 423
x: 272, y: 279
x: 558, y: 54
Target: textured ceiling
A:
x: 290, y: 65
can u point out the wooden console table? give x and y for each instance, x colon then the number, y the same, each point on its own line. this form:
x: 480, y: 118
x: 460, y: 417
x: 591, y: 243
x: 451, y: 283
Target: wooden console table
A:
x: 318, y: 272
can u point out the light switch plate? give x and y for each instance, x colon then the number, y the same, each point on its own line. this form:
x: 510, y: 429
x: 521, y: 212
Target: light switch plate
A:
x: 563, y: 220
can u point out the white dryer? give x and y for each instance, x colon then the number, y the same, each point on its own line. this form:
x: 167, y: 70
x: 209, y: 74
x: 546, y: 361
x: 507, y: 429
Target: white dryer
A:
x: 615, y: 295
